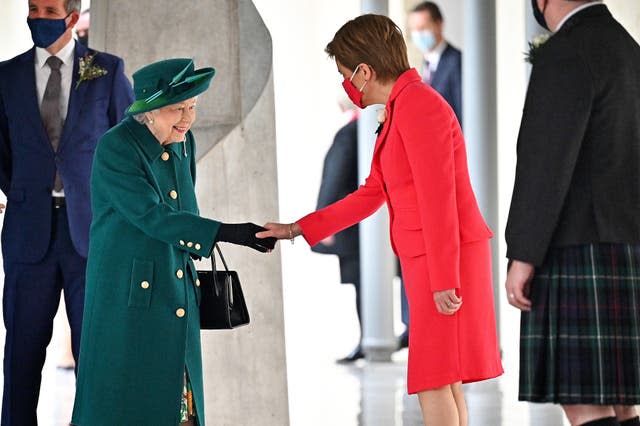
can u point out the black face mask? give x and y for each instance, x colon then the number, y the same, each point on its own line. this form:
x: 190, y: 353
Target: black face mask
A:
x: 539, y: 15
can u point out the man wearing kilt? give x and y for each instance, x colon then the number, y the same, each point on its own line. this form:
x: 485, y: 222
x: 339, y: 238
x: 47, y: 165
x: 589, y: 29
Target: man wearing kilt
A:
x: 573, y: 232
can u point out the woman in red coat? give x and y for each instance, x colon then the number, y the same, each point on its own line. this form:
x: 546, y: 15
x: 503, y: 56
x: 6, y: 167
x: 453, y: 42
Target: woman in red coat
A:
x: 419, y: 170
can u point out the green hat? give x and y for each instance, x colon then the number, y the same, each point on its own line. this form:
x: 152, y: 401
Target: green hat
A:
x: 166, y: 83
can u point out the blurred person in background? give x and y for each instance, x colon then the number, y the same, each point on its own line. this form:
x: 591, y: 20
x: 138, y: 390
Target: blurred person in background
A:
x: 82, y: 28
x: 340, y: 178
x: 442, y: 62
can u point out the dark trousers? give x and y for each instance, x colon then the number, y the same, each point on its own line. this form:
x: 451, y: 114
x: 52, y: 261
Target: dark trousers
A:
x: 404, y: 304
x: 30, y: 302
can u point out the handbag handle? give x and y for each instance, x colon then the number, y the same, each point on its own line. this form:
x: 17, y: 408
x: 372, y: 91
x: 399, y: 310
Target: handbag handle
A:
x: 213, y: 260
x: 215, y: 278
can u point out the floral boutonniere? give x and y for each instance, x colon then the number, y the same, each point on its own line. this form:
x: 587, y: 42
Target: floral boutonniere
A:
x: 382, y: 117
x: 534, y: 45
x: 88, y: 71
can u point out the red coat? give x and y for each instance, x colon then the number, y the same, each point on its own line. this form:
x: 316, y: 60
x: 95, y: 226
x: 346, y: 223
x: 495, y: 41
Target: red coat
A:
x: 419, y: 169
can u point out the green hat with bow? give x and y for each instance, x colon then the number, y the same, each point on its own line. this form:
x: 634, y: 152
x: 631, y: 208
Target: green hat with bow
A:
x: 166, y: 83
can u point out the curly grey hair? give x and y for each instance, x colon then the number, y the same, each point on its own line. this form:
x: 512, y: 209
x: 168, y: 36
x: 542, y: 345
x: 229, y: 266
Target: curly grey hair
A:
x: 140, y: 118
x: 143, y: 117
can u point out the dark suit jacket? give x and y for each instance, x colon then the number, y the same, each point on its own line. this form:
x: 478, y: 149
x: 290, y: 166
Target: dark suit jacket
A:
x: 447, y: 80
x: 578, y: 170
x: 28, y: 162
x: 339, y: 179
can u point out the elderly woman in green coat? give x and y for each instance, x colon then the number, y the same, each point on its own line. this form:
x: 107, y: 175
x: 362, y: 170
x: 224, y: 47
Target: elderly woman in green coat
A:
x: 140, y: 360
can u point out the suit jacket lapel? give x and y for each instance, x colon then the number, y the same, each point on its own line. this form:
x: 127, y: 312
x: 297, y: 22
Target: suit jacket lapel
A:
x: 76, y: 97
x: 442, y: 67
x: 26, y: 82
x: 408, y: 77
x: 382, y: 137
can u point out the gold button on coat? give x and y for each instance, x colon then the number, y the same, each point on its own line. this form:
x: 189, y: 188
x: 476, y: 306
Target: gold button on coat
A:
x: 197, y: 282
x: 180, y: 312
x: 165, y: 156
x: 173, y: 194
x: 179, y: 273
x: 181, y: 242
x: 189, y: 244
x: 198, y: 246
x: 144, y: 284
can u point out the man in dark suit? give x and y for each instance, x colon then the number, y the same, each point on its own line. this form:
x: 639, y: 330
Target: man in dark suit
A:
x: 339, y: 179
x: 56, y: 100
x: 442, y: 63
x: 573, y: 232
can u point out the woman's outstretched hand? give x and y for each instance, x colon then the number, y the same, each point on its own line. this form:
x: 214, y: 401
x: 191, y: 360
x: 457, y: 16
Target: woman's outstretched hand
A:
x: 280, y: 231
x: 447, y: 302
x: 244, y: 234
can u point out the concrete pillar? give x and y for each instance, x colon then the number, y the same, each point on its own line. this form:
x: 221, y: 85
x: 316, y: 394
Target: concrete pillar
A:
x: 376, y: 257
x: 480, y: 114
x: 245, y: 370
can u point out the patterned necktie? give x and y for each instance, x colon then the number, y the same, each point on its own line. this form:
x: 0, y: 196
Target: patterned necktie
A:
x: 50, y: 110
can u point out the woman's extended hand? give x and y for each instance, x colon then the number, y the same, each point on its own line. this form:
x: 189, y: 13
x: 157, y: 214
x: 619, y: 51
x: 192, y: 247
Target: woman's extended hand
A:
x: 519, y: 277
x: 447, y: 302
x: 281, y: 231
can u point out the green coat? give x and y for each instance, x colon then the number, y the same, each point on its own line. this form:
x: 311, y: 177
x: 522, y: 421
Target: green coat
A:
x: 141, y: 320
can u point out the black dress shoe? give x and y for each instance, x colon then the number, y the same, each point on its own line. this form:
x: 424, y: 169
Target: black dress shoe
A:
x: 403, y: 340
x: 352, y: 357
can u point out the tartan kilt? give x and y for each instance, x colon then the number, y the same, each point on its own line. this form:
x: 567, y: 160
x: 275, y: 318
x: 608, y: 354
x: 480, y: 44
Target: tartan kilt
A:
x: 580, y: 343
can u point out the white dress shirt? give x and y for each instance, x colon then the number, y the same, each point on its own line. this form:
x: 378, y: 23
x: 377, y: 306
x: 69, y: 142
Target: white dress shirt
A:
x: 66, y: 74
x: 574, y: 11
x: 433, y: 57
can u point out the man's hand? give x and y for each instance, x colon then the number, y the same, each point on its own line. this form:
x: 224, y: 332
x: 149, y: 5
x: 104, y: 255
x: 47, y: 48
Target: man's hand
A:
x: 2, y: 207
x: 519, y: 277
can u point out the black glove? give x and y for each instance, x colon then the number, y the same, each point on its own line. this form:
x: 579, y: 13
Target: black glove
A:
x: 244, y: 234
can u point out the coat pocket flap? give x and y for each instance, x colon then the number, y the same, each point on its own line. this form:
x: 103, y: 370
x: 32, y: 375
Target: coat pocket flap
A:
x: 141, y: 283
x: 409, y: 242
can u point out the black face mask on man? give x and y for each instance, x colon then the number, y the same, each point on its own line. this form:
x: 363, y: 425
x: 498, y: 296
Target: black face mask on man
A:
x: 539, y: 14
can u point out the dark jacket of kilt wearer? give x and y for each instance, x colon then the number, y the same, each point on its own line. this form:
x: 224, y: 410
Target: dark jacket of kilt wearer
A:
x: 578, y: 170
x: 339, y: 179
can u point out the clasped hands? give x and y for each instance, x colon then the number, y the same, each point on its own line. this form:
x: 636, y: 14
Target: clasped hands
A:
x: 262, y: 239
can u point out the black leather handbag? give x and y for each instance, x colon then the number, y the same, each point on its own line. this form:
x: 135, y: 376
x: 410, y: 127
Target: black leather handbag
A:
x: 222, y: 304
